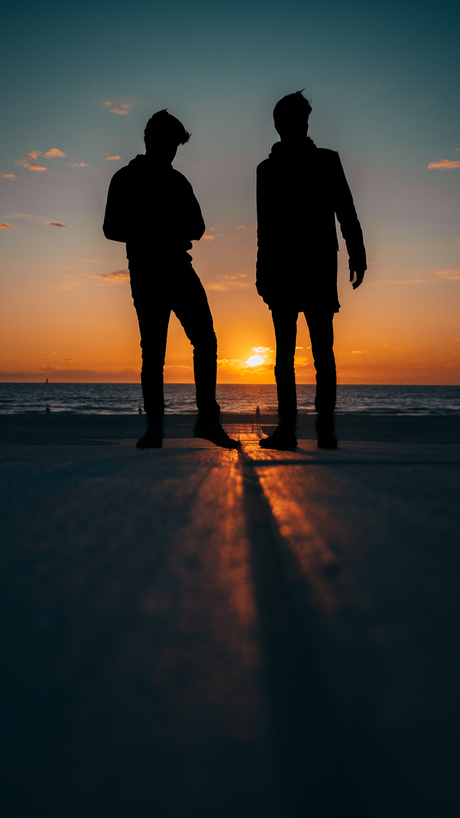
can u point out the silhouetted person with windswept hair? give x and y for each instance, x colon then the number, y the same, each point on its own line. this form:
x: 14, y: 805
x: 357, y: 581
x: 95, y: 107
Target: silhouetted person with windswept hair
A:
x: 300, y: 191
x: 152, y: 208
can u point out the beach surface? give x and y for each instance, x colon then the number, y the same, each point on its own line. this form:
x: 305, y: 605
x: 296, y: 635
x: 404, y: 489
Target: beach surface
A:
x: 193, y: 631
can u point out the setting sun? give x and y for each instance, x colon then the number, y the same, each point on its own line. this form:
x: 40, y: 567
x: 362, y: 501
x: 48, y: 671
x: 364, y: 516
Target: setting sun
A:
x: 255, y: 360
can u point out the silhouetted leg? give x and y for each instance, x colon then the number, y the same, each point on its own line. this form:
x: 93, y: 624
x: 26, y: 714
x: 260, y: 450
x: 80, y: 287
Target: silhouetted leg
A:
x: 190, y: 304
x: 153, y: 316
x: 285, y: 324
x: 321, y: 330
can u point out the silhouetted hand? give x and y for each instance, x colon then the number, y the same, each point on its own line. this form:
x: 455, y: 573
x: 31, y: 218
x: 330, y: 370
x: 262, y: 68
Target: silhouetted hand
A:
x: 359, y: 277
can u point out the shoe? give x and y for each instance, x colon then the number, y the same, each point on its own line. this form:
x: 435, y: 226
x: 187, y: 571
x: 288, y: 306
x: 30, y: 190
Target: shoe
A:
x: 213, y: 431
x: 153, y: 438
x: 327, y: 440
x: 325, y: 429
x: 283, y: 438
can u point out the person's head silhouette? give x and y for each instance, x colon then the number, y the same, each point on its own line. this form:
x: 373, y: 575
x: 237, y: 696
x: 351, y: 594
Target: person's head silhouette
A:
x: 290, y: 116
x: 162, y: 136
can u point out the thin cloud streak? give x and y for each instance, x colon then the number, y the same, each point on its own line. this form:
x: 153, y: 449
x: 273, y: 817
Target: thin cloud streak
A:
x: 120, y: 108
x: 451, y: 273
x: 31, y: 166
x: 444, y: 164
x: 119, y: 276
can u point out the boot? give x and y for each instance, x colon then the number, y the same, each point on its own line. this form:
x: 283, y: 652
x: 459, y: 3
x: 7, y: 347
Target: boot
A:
x: 283, y: 438
x: 153, y: 438
x: 325, y: 430
x: 213, y: 431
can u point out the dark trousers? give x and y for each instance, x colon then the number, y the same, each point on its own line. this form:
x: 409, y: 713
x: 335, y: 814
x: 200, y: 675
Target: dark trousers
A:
x: 320, y: 325
x: 180, y: 291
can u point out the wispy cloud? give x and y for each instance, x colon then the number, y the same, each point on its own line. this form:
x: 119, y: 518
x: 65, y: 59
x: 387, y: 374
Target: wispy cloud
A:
x: 452, y: 273
x: 31, y: 166
x: 444, y: 164
x: 119, y: 276
x: 56, y: 224
x: 34, y: 154
x: 9, y: 175
x: 75, y: 375
x: 5, y: 226
x: 229, y: 283
x: 224, y: 363
x: 78, y: 165
x: 119, y: 107
x: 53, y: 153
x: 93, y: 260
x: 112, y: 158
x: 207, y: 238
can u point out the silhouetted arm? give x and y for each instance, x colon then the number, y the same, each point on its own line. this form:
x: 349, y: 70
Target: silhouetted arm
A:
x: 349, y: 225
x: 115, y: 225
x: 267, y: 259
x: 195, y: 225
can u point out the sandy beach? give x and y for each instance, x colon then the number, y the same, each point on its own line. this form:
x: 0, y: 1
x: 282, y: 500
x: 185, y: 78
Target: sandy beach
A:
x: 201, y: 632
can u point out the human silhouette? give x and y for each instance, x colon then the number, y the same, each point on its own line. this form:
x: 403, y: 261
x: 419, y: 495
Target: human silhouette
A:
x: 152, y: 208
x: 300, y: 191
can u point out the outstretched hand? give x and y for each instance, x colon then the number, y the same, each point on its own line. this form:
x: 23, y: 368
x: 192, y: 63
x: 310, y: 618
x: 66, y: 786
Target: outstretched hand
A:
x: 359, y: 277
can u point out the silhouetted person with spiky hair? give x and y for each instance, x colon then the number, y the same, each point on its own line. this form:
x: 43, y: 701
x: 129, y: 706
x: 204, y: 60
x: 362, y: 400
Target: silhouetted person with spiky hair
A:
x: 152, y: 208
x: 300, y: 191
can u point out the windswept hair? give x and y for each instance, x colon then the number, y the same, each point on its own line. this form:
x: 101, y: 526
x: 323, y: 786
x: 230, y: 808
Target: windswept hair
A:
x: 165, y: 127
x: 291, y: 107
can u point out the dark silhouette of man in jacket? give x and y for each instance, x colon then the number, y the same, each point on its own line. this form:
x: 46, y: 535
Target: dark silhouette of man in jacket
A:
x: 152, y: 208
x: 300, y: 191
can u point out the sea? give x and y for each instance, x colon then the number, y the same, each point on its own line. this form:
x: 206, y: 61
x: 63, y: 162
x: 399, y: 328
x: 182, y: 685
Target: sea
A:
x: 120, y: 398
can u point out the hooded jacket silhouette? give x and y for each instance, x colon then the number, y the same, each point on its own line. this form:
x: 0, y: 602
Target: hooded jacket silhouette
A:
x: 299, y: 193
x: 152, y: 207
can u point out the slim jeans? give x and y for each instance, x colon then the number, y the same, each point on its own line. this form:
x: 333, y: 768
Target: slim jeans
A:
x: 320, y: 325
x: 179, y: 290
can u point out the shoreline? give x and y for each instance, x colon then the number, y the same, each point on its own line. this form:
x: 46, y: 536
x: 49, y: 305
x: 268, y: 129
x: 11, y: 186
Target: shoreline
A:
x: 35, y: 428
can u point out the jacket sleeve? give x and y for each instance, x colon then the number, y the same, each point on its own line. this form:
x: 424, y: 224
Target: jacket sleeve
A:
x: 347, y: 218
x: 115, y: 219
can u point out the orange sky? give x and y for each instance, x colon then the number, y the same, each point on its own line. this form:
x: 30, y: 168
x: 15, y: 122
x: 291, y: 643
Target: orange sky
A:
x: 75, y: 322
x: 383, y: 92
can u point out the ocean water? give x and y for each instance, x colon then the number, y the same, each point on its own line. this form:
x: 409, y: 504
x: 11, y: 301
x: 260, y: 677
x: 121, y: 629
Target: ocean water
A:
x: 115, y: 398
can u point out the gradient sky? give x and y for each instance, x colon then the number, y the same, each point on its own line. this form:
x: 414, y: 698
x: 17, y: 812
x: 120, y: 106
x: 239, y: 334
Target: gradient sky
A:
x: 79, y: 83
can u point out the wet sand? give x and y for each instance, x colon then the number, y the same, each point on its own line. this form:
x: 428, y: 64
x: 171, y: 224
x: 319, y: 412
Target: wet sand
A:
x: 200, y: 632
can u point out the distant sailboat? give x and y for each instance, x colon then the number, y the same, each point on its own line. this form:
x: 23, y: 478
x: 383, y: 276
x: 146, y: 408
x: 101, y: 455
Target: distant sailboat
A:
x: 46, y: 380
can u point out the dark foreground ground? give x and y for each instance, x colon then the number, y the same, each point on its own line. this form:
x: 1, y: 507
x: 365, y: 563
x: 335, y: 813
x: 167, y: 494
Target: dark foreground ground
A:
x: 198, y: 632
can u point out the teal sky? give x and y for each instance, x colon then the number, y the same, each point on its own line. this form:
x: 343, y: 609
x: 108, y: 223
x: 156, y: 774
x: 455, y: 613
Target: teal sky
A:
x: 383, y: 80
